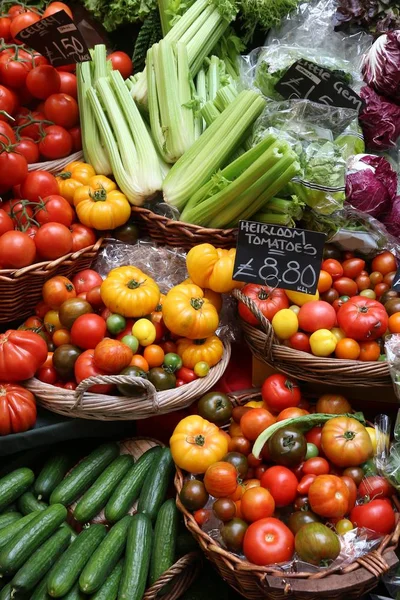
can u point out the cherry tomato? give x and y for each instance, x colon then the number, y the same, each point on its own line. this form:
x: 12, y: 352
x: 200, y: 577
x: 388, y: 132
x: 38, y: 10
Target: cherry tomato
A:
x: 345, y: 286
x: 43, y: 81
x: 257, y: 503
x: 305, y: 483
x: 384, y: 263
x: 369, y: 351
x: 121, y: 62
x: 300, y: 341
x: 333, y: 267
x: 56, y: 143
x: 347, y: 348
x: 324, y: 281
x: 54, y: 7
x: 313, y: 436
x: 62, y: 109
x: 87, y: 331
x: 352, y: 267
x: 68, y: 84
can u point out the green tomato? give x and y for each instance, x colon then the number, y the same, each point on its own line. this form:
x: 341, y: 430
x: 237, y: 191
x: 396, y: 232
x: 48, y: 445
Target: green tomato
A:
x: 368, y: 294
x: 172, y: 362
x: 312, y: 450
x: 162, y: 380
x: 343, y: 526
x: 132, y: 342
x: 116, y: 324
x: 344, y: 298
x: 201, y: 369
x: 382, y: 358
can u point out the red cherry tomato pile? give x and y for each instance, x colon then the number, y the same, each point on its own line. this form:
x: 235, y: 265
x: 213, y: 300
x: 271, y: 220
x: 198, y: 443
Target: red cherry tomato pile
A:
x: 312, y: 482
x: 39, y: 224
x: 348, y: 317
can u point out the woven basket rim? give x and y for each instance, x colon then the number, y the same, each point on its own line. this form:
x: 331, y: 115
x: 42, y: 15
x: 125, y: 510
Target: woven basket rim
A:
x: 373, y: 562
x: 83, y: 404
x: 41, y: 267
x: 56, y: 165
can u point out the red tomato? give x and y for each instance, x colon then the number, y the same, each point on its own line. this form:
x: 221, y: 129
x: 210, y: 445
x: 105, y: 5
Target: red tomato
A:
x: 41, y: 309
x: 291, y: 413
x: 377, y: 515
x: 47, y: 375
x: 6, y: 222
x: 56, y: 143
x: 375, y: 487
x: 345, y: 286
x: 363, y: 283
x: 76, y: 135
x: 22, y: 21
x: 28, y: 149
x: 68, y: 84
x: 54, y: 7
x: 268, y: 300
x: 17, y: 250
x: 5, y: 23
x: 316, y: 466
x: 62, y: 110
x: 17, y: 409
x: 257, y: 503
x: 254, y: 422
x: 21, y: 354
x: 201, y: 516
x: 187, y: 375
x: 121, y: 62
x: 53, y: 240
x: 86, y: 280
x: 333, y: 267
x: 351, y: 486
x: 363, y: 319
x: 13, y: 169
x: 82, y: 236
x: 268, y: 542
x: 54, y: 209
x: 380, y: 289
x: 329, y: 496
x: 220, y: 479
x: 8, y: 100
x: 85, y: 367
x: 316, y: 315
x: 352, y: 267
x: 282, y: 483
x: 39, y: 184
x: 384, y: 263
x: 43, y: 81
x: 280, y: 392
x: 87, y: 331
x: 13, y: 72
x: 300, y: 341
x: 7, y: 135
x: 305, y: 483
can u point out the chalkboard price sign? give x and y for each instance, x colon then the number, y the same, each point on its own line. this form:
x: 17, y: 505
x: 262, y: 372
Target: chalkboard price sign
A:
x: 57, y: 38
x: 396, y: 281
x: 309, y: 81
x: 284, y: 257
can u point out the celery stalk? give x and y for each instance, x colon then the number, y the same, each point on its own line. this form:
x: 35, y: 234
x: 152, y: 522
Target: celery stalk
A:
x: 225, y: 96
x: 212, y: 149
x: 163, y: 8
x: 210, y: 112
x: 201, y: 94
x: 274, y: 219
x: 213, y: 77
x: 93, y: 150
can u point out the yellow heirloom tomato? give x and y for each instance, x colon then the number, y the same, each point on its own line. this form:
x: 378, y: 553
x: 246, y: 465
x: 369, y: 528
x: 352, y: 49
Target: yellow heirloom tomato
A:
x: 299, y: 298
x: 129, y: 292
x: 196, y: 444
x: 323, y: 342
x: 285, y: 323
x: 192, y: 352
x: 74, y: 175
x: 100, y: 205
x: 213, y: 297
x: 212, y: 268
x: 186, y: 312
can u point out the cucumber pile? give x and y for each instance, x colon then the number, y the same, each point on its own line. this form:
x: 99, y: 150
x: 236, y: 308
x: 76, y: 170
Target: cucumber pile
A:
x: 42, y: 557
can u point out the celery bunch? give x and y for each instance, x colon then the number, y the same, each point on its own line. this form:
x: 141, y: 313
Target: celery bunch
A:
x: 120, y: 131
x: 170, y: 100
x: 243, y: 187
x: 281, y: 211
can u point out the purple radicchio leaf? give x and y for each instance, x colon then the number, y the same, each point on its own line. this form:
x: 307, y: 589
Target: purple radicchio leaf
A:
x: 381, y: 65
x: 380, y: 120
x: 392, y: 218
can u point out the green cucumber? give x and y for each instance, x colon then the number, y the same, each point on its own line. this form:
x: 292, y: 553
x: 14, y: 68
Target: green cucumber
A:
x: 27, y: 503
x: 9, y: 518
x: 65, y: 573
x: 8, y: 533
x: 109, y: 590
x: 128, y: 490
x: 71, y: 530
x: 84, y: 474
x: 105, y: 557
x: 75, y: 594
x: 156, y: 484
x: 40, y: 562
x: 97, y: 496
x: 40, y: 592
x: 10, y: 508
x: 137, y: 558
x: 13, y: 485
x: 165, y: 536
x: 52, y: 473
x: 6, y: 592
x: 22, y: 546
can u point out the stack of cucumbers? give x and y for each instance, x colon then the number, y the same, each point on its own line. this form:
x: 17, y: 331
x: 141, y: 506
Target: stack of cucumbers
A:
x: 42, y: 557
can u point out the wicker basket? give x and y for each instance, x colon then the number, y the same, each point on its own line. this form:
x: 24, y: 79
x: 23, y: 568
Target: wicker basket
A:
x: 55, y: 166
x: 182, y: 574
x: 85, y: 405
x: 255, y: 582
x: 304, y: 366
x: 178, y: 234
x: 21, y: 290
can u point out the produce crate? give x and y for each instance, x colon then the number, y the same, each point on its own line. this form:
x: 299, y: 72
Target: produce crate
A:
x: 255, y: 582
x: 82, y: 404
x: 304, y: 366
x: 21, y: 290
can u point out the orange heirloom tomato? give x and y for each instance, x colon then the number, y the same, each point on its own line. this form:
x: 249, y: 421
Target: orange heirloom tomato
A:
x: 345, y: 442
x: 61, y: 336
x: 347, y: 348
x: 74, y: 175
x: 57, y: 290
x: 129, y: 292
x: 209, y: 350
x: 213, y: 297
x: 257, y: 503
x: 394, y: 323
x: 328, y: 496
x: 112, y: 356
x: 212, y: 268
x: 154, y: 355
x: 333, y: 404
x: 196, y: 444
x: 187, y: 313
x: 369, y: 351
x: 220, y: 479
x: 139, y: 361
x: 292, y: 413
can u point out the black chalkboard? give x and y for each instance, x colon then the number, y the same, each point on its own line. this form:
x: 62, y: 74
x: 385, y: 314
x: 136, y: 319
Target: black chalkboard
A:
x: 284, y: 257
x: 57, y: 38
x: 396, y: 281
x: 307, y: 80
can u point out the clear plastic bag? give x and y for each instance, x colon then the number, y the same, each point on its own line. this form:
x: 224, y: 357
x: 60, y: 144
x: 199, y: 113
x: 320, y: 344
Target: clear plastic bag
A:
x: 392, y: 349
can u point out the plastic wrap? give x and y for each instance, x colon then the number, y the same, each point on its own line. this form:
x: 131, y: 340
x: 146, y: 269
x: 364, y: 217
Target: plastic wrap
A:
x: 392, y: 349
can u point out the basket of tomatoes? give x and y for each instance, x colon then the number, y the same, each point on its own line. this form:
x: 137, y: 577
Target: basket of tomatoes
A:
x: 120, y: 350
x: 338, y: 334
x: 285, y: 504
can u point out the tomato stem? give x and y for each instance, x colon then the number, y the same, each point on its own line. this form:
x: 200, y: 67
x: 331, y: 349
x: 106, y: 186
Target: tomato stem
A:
x: 197, y: 303
x: 133, y: 284
x: 199, y: 439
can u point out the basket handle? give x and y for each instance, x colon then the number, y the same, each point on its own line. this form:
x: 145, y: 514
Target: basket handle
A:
x: 266, y: 326
x: 87, y: 383
x: 179, y: 573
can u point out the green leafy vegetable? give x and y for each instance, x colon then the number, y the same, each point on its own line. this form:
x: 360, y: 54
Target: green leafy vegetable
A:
x: 264, y: 14
x: 149, y: 34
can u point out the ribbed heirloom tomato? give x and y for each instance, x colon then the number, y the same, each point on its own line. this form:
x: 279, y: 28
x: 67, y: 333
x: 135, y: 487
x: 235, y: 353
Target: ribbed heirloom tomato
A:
x: 220, y: 479
x: 257, y: 503
x: 329, y: 496
x: 268, y: 301
x: 17, y: 409
x: 21, y: 354
x: 363, y: 319
x: 346, y: 442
